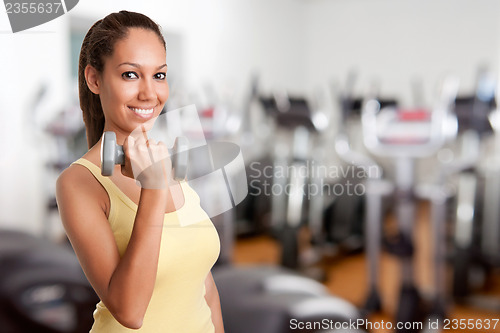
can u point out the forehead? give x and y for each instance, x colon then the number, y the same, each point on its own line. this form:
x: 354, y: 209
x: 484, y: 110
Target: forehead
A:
x: 140, y: 46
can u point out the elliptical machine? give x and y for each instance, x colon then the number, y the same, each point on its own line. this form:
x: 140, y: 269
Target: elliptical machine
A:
x: 404, y: 136
x: 291, y: 169
x: 476, y: 233
x: 377, y: 189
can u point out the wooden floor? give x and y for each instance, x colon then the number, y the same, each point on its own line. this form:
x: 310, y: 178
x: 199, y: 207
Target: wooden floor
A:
x: 347, y: 277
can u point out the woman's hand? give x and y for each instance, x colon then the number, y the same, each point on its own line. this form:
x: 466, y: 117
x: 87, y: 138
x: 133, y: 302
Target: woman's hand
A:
x: 147, y: 161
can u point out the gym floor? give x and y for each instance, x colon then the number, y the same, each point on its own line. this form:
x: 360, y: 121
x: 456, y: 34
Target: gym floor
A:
x: 347, y: 277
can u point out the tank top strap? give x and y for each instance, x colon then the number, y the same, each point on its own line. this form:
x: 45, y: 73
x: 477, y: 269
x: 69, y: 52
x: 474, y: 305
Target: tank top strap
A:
x: 115, y: 193
x: 106, y: 182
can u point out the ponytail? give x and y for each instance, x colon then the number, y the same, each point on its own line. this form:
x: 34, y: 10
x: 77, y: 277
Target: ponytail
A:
x: 90, y: 103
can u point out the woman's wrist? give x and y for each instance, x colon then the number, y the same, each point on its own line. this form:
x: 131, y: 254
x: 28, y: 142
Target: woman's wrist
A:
x: 154, y: 194
x: 154, y: 197
x: 153, y: 177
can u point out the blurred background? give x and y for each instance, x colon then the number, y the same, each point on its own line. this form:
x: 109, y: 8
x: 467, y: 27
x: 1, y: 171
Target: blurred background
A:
x: 366, y: 127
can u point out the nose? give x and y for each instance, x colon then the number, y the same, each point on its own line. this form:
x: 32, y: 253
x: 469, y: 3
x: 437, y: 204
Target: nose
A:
x: 146, y: 90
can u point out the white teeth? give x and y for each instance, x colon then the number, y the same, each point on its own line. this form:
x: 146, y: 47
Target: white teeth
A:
x: 142, y: 111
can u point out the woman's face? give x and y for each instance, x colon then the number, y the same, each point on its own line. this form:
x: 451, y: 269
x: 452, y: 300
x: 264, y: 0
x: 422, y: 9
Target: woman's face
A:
x: 133, y: 85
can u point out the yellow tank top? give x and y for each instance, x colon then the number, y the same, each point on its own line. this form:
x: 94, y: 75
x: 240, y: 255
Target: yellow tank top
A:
x: 189, y: 247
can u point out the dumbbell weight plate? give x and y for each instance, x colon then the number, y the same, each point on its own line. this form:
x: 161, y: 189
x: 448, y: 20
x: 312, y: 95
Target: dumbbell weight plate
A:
x: 111, y: 153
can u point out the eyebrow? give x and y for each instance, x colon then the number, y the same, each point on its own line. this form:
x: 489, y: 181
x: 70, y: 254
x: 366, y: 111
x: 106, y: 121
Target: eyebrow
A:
x: 139, y: 66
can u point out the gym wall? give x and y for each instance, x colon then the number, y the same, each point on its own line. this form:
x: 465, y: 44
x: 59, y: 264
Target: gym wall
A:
x: 395, y: 42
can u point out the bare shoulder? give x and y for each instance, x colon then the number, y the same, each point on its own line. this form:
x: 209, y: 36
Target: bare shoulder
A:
x: 77, y: 177
x: 75, y: 180
x: 73, y: 175
x: 77, y: 186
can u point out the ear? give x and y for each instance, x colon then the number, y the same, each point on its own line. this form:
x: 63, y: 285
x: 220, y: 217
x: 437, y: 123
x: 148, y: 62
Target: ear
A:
x: 92, y: 78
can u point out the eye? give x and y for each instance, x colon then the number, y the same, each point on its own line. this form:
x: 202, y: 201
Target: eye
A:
x: 130, y: 75
x: 160, y: 76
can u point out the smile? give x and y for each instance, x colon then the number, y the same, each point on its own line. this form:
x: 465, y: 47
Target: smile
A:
x: 142, y: 111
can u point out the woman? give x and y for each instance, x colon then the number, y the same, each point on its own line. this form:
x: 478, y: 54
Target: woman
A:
x: 149, y: 272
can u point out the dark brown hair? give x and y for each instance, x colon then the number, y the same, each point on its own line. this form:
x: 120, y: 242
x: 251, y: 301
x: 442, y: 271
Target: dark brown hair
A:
x: 98, y: 44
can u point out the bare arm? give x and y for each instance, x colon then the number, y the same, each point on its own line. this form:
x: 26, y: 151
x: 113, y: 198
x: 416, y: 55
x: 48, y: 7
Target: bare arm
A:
x: 125, y: 285
x: 213, y: 301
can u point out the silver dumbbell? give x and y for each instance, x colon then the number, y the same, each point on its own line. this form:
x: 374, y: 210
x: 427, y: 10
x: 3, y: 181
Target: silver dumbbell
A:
x: 112, y: 154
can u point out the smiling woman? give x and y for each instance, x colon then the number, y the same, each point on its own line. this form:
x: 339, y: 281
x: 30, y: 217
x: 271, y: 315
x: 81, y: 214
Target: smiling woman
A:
x: 132, y: 86
x: 100, y: 60
x: 130, y: 238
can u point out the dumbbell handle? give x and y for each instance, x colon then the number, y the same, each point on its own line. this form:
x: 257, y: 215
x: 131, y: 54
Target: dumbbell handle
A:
x: 112, y: 154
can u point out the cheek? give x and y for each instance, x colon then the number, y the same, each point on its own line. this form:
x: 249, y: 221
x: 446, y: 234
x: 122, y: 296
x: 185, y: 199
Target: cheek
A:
x: 114, y: 98
x: 164, y: 94
x: 125, y: 92
x: 121, y: 94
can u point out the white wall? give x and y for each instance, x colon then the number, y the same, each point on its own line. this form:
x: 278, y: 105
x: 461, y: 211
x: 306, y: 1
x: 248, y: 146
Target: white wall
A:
x: 28, y: 60
x: 394, y: 41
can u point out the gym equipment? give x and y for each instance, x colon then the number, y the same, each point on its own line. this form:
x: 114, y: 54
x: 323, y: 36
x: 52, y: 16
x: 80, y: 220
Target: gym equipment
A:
x: 112, y: 154
x: 477, y: 229
x: 372, y: 205
x: 376, y: 189
x: 490, y: 235
x: 266, y: 299
x: 335, y: 223
x: 344, y: 214
x: 42, y: 287
x: 348, y: 224
x: 491, y: 225
x: 289, y: 188
x: 465, y: 233
x: 270, y: 299
x: 405, y: 135
x: 253, y: 213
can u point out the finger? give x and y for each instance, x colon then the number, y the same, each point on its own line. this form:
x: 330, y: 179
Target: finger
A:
x: 139, y: 135
x: 145, y: 135
x: 162, y: 150
x: 126, y: 169
x: 130, y: 142
x: 146, y: 139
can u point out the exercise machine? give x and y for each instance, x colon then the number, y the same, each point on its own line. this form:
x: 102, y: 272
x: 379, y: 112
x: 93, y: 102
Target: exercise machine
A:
x: 42, y: 287
x: 476, y: 229
x: 405, y: 135
x: 298, y: 184
x: 269, y: 299
x: 347, y: 226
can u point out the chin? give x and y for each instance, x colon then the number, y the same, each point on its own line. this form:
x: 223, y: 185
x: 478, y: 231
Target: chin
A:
x: 143, y: 126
